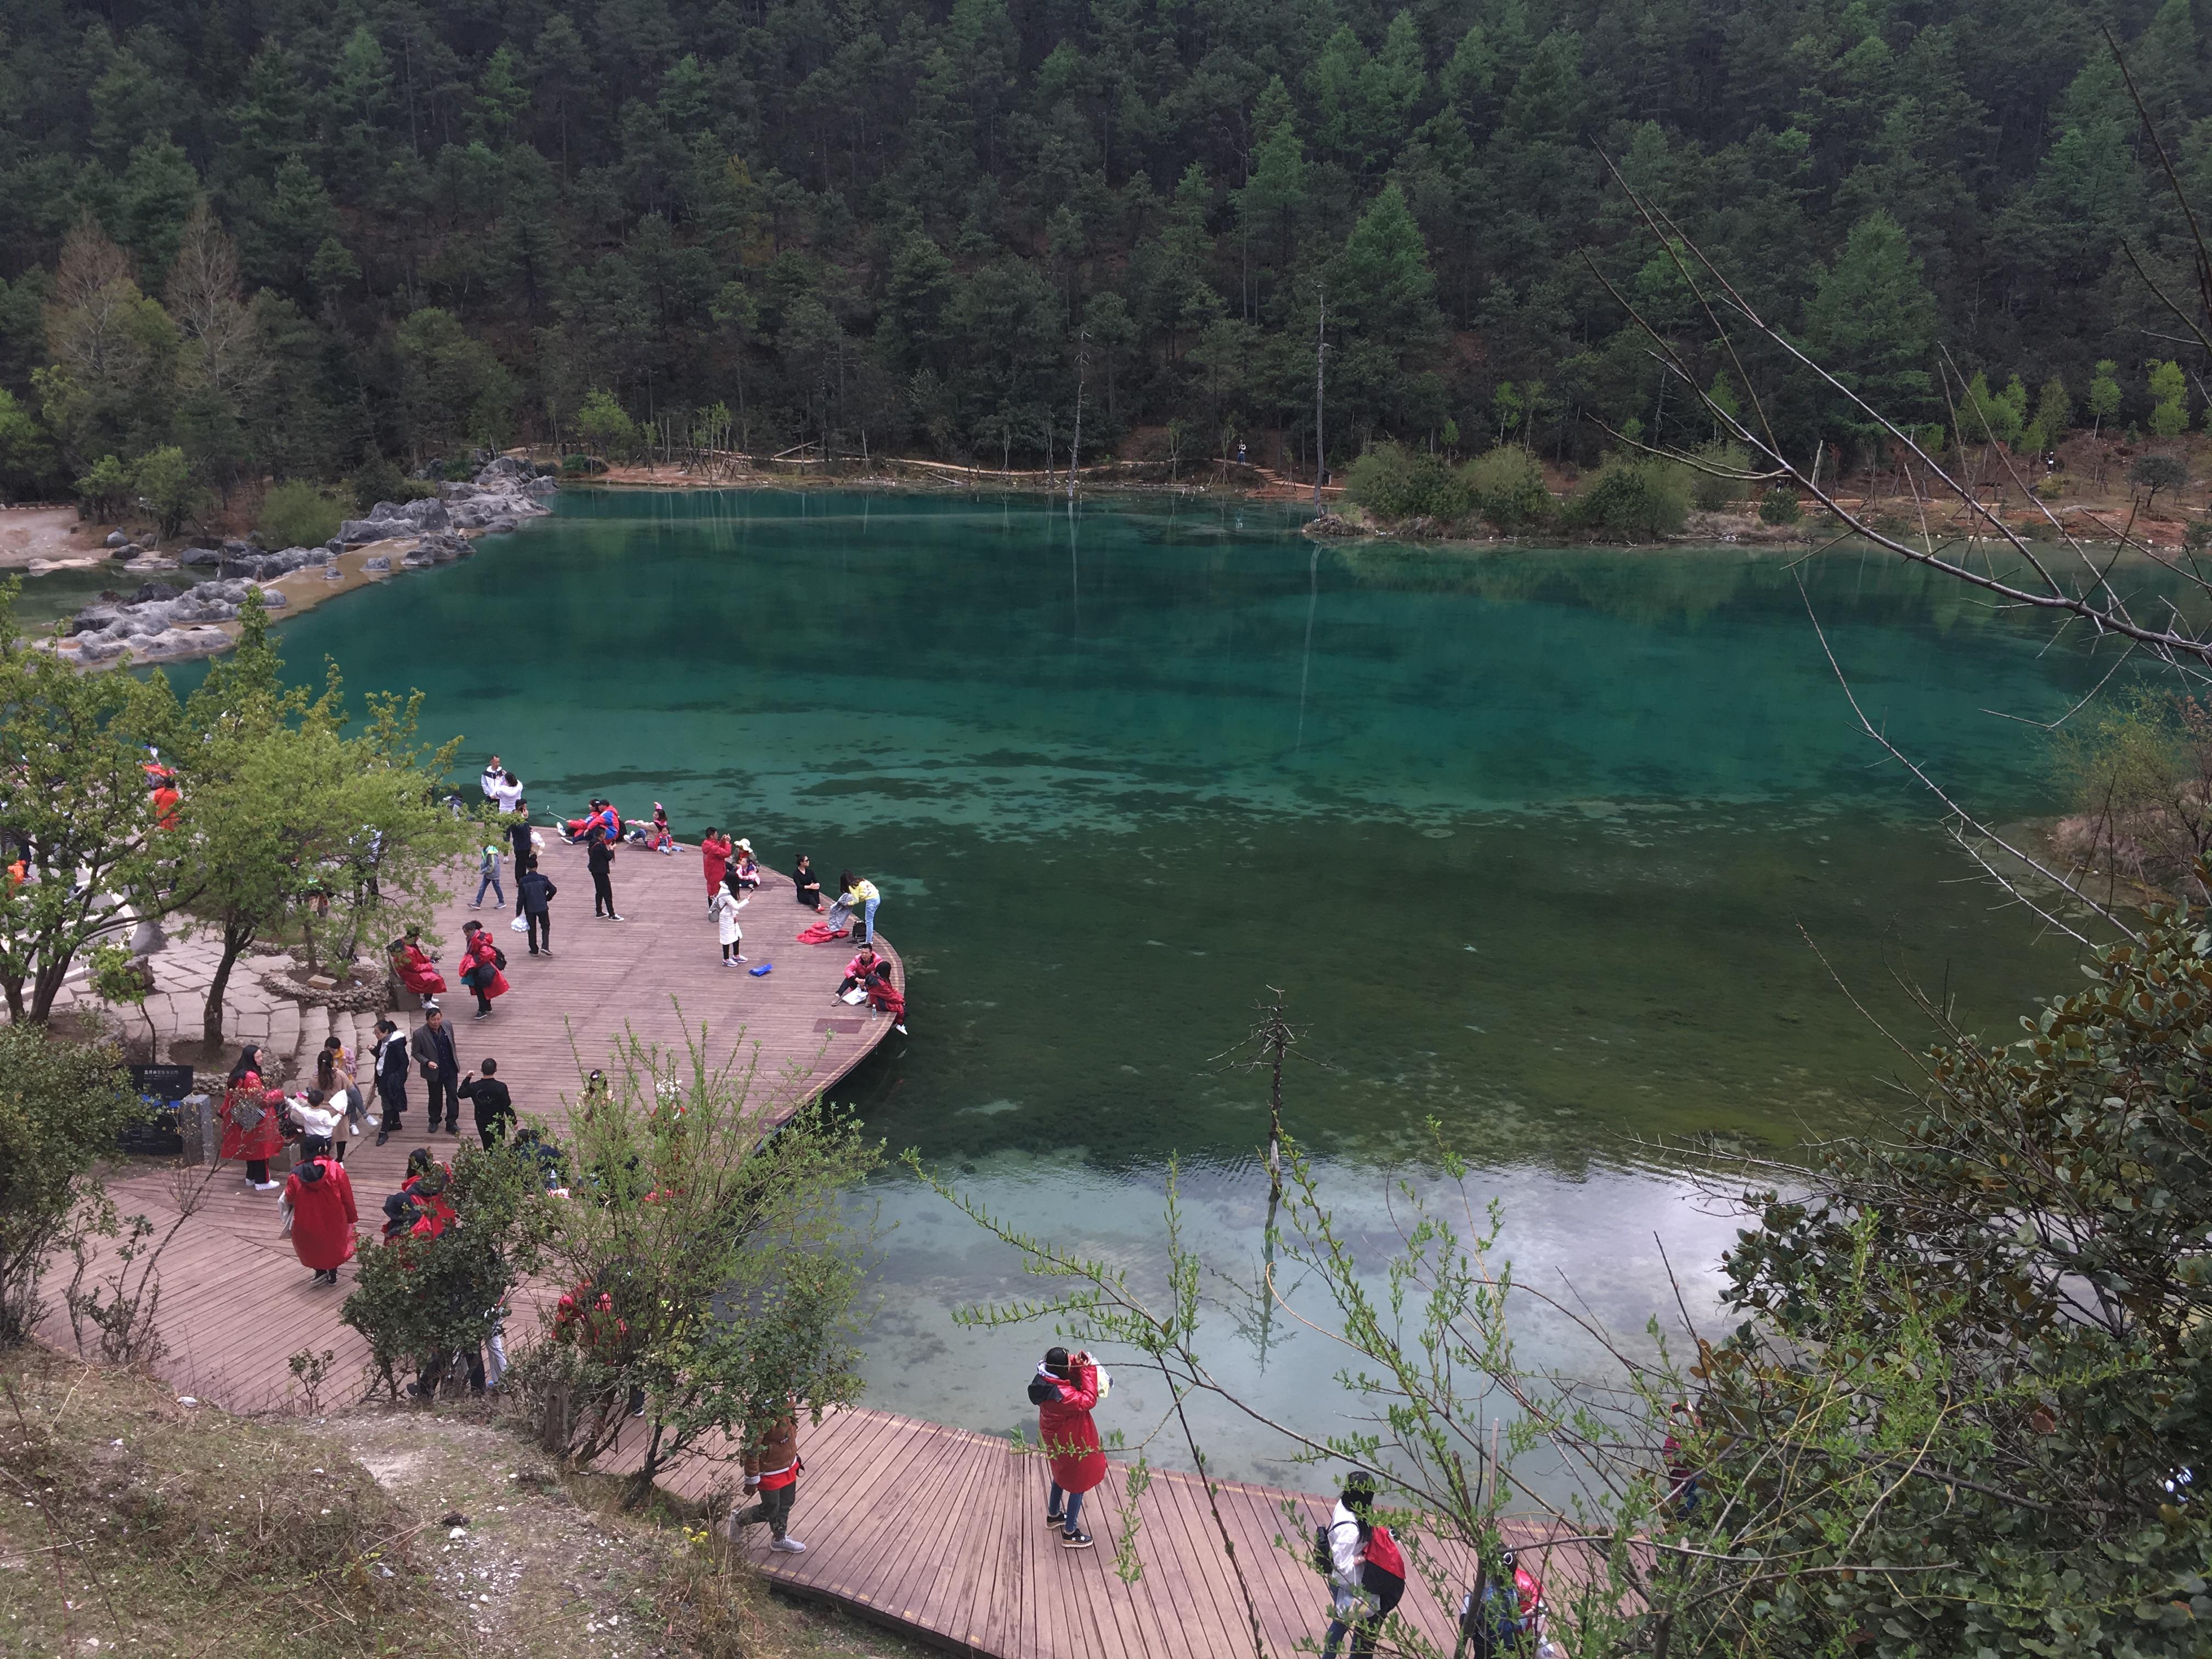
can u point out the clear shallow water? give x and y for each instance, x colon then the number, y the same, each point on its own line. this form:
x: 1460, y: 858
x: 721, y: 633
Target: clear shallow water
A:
x: 1526, y: 837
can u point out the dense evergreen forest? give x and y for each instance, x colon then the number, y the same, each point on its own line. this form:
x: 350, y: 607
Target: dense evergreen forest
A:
x: 256, y: 239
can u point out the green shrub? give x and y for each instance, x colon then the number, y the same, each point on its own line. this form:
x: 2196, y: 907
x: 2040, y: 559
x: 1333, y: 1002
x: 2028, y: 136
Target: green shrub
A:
x: 1711, y: 490
x: 298, y: 514
x: 1632, y: 501
x: 1508, y: 487
x: 1396, y: 484
x: 583, y: 463
x: 381, y: 481
x: 1780, y: 506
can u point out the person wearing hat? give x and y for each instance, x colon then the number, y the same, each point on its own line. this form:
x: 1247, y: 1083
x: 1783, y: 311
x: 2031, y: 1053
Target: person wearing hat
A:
x: 432, y: 1045
x: 318, y: 1210
x: 748, y: 871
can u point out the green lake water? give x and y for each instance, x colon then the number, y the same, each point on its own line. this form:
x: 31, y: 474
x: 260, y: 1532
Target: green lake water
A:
x: 1530, y: 840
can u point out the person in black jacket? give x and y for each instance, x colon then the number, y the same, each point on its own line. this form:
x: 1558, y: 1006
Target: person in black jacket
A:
x: 525, y: 851
x: 599, y: 855
x: 494, y: 1106
x: 534, y: 891
x: 390, y: 1078
x: 432, y: 1046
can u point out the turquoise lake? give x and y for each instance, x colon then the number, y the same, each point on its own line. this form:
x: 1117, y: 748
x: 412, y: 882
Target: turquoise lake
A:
x: 1531, y: 842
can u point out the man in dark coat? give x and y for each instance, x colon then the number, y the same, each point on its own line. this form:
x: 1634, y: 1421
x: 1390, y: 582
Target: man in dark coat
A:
x: 495, y: 1106
x: 599, y: 855
x: 390, y: 1078
x: 432, y: 1045
x: 533, y: 892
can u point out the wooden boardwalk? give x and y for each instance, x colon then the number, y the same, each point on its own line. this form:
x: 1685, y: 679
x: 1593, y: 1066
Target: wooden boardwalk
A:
x: 936, y: 1531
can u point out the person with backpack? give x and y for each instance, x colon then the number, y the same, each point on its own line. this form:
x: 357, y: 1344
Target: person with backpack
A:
x: 1499, y: 1617
x: 534, y: 891
x: 253, y: 1127
x: 1366, y: 1570
x: 1065, y: 1391
x: 480, y: 962
x: 771, y: 1468
x: 487, y: 862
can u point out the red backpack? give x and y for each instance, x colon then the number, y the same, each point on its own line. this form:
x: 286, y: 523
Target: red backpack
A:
x: 1383, y: 1552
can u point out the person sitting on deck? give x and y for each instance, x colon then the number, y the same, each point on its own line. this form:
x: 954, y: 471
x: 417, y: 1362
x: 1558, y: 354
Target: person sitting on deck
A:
x: 413, y: 965
x: 747, y: 874
x: 659, y: 837
x: 807, y: 884
x: 869, y: 970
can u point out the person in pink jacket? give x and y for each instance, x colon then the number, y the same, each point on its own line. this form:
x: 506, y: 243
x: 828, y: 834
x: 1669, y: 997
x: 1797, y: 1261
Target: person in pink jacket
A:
x: 1065, y: 1391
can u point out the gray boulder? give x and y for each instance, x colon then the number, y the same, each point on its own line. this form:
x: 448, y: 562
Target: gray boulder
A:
x: 381, y: 561
x: 95, y: 619
x: 200, y: 555
x: 116, y: 538
x: 155, y: 591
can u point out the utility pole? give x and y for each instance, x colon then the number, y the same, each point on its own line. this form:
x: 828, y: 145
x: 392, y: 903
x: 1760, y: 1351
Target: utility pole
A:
x: 1075, y: 444
x: 1320, y: 354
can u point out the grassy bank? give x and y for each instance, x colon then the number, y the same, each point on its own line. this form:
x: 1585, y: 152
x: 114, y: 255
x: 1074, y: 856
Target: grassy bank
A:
x: 136, y: 1522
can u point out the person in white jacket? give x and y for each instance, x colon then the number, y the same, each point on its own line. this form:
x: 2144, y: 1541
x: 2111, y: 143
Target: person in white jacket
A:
x: 1366, y: 1571
x: 724, y: 910
x: 322, y: 1116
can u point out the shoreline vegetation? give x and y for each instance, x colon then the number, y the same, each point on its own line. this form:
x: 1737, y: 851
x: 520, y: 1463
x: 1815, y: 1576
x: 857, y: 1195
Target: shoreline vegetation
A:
x: 1622, y: 503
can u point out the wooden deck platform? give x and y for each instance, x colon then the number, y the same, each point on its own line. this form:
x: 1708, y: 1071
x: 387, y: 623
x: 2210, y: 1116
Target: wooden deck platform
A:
x: 935, y: 1531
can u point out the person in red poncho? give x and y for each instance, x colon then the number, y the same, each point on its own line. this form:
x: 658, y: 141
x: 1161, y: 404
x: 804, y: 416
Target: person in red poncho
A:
x: 714, y: 849
x: 319, y: 1210
x: 1065, y: 1391
x: 414, y: 967
x: 253, y: 1124
x: 480, y: 963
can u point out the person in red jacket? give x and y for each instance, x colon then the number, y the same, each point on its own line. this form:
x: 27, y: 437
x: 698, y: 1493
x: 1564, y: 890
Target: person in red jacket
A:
x: 1065, y: 1391
x: 480, y: 959
x: 713, y: 858
x: 253, y: 1127
x: 319, y: 1203
x: 412, y: 963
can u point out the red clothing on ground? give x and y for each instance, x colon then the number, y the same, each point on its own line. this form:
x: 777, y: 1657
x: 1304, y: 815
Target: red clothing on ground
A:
x: 265, y: 1138
x: 417, y: 972
x: 1070, y: 1437
x: 323, y: 1214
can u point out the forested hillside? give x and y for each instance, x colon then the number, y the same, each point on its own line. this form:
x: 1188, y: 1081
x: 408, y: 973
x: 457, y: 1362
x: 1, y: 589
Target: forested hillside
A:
x: 278, y: 239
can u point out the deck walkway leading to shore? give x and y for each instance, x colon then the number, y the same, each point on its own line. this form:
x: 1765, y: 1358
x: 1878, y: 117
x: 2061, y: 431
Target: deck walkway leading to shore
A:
x: 935, y: 1530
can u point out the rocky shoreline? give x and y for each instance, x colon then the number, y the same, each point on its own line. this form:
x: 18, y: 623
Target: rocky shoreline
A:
x: 162, y: 622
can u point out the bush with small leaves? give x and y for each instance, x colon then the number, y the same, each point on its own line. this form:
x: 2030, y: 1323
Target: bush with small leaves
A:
x: 1780, y: 506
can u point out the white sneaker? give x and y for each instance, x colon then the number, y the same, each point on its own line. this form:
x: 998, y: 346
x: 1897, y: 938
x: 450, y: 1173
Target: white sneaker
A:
x: 788, y: 1546
x: 266, y: 1186
x: 901, y: 1030
x: 743, y: 959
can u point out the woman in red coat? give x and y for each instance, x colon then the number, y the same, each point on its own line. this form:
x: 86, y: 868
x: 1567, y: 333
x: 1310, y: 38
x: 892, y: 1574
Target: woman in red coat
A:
x: 1064, y: 1391
x: 714, y: 849
x: 480, y: 966
x: 414, y: 967
x: 318, y: 1201
x: 253, y: 1127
